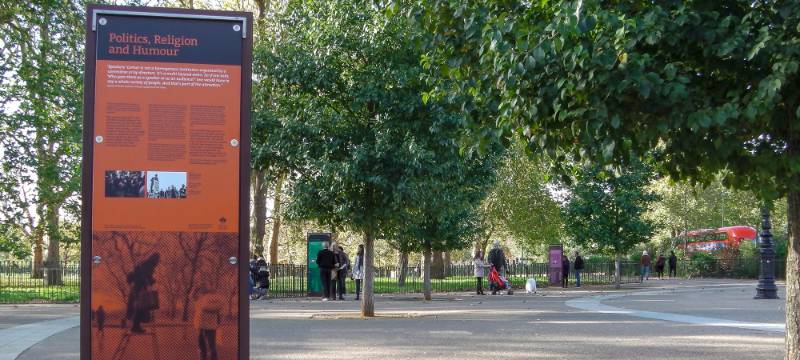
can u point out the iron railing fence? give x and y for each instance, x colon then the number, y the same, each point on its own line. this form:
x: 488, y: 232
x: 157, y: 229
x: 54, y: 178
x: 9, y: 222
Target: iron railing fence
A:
x: 18, y: 285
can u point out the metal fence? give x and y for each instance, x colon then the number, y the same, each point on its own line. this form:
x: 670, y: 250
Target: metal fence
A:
x: 17, y: 285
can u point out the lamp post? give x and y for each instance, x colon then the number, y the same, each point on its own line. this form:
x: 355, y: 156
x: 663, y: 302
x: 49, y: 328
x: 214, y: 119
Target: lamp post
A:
x: 766, y: 288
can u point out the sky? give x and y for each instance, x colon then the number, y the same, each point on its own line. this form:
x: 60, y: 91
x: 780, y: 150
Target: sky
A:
x: 167, y: 179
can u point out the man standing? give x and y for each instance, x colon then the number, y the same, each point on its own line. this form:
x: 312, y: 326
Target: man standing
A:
x: 564, y: 271
x: 578, y: 266
x: 326, y: 261
x: 341, y: 276
x: 673, y: 264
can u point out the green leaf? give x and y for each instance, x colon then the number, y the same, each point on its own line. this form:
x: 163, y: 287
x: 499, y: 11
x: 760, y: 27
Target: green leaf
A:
x: 615, y: 121
x: 538, y: 53
x: 608, y: 149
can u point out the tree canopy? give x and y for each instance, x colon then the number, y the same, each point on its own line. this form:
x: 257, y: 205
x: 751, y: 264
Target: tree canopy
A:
x: 373, y: 157
x: 710, y: 86
x: 41, y: 60
x: 605, y: 211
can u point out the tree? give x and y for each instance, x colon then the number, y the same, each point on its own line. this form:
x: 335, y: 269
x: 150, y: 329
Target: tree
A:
x: 605, y: 212
x: 346, y: 79
x: 40, y: 132
x: 444, y: 213
x: 710, y: 86
x: 523, y: 201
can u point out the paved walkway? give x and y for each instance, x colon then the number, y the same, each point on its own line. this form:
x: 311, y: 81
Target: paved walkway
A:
x: 555, y: 324
x: 727, y: 293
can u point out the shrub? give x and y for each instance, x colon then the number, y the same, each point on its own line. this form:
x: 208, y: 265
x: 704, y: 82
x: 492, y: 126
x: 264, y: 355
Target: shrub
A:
x: 701, y: 265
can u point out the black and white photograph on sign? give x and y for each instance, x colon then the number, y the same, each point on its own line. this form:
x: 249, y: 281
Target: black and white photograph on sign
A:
x: 125, y: 183
x: 166, y: 185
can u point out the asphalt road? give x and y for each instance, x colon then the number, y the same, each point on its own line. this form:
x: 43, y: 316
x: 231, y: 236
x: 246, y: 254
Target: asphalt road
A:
x: 463, y: 326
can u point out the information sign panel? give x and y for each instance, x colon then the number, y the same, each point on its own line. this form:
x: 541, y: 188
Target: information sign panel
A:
x: 165, y: 192
x: 554, y: 264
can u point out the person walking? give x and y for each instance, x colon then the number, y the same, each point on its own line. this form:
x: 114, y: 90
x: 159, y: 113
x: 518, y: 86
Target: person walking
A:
x: 326, y: 261
x: 660, y: 262
x: 578, y: 267
x: 673, y: 264
x: 358, y: 270
x: 645, y: 262
x: 341, y: 277
x: 207, y: 319
x: 480, y: 268
x: 564, y: 271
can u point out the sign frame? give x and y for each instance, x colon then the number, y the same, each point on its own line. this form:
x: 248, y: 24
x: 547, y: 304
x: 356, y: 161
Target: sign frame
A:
x: 90, y: 68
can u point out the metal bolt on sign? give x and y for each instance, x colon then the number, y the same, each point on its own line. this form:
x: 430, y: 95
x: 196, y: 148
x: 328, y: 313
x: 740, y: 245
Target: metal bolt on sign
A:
x: 234, y: 142
x: 102, y: 21
x: 233, y: 260
x: 98, y: 139
x: 237, y: 27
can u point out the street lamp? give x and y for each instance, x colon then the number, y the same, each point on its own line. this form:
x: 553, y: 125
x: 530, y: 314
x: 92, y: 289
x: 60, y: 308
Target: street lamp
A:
x: 766, y: 288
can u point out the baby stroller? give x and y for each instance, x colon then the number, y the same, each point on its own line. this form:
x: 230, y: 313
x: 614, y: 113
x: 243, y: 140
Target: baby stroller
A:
x: 497, y: 282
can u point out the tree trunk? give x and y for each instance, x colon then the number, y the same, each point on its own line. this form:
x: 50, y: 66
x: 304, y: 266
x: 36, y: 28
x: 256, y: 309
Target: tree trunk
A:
x: 426, y: 272
x: 402, y: 269
x: 793, y: 278
x: 263, y: 6
x: 37, y: 270
x: 617, y: 270
x: 447, y: 263
x: 367, y: 298
x: 437, y: 266
x: 276, y: 221
x: 53, y: 262
x: 260, y: 210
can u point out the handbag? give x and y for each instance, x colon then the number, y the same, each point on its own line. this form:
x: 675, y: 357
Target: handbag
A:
x: 333, y: 274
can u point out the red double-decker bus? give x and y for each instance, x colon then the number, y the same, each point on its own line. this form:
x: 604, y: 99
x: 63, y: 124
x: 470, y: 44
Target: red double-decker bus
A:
x: 712, y: 240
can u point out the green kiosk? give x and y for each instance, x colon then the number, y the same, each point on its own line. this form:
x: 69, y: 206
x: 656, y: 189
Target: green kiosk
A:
x: 315, y: 243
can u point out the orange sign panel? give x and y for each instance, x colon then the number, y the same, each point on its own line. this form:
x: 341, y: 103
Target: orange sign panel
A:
x: 164, y: 231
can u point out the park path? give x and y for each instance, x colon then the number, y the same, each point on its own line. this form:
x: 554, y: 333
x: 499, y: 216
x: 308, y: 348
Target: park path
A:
x: 728, y: 291
x: 547, y: 325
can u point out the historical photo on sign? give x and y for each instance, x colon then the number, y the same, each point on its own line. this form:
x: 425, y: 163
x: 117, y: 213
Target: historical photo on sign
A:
x: 124, y: 183
x: 166, y: 185
x: 167, y: 292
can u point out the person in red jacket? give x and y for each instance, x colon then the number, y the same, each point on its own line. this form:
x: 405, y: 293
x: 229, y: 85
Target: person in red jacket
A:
x: 645, y: 262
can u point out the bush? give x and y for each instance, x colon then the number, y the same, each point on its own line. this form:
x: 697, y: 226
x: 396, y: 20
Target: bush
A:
x: 701, y: 265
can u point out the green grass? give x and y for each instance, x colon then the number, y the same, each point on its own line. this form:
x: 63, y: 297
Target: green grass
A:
x: 20, y: 288
x: 68, y: 293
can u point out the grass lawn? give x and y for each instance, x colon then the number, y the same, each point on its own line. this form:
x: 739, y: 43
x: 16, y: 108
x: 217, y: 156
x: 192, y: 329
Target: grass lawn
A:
x: 20, y: 288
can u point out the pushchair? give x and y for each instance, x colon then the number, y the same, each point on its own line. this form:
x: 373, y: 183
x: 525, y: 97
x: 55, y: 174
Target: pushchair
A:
x: 497, y: 282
